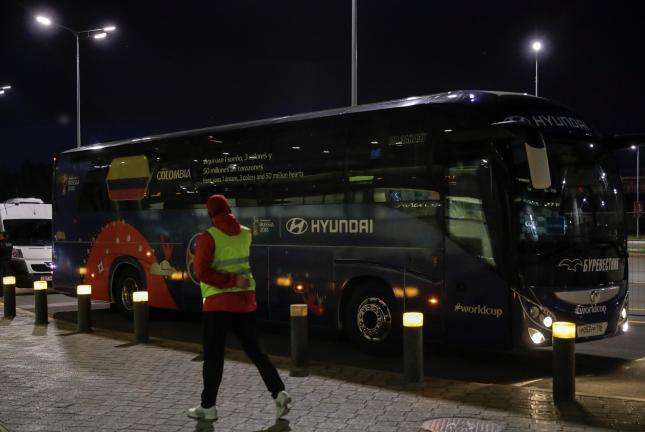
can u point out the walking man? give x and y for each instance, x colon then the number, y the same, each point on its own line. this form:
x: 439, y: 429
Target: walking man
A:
x: 222, y: 267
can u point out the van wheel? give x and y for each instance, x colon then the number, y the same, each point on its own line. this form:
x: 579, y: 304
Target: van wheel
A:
x: 372, y: 318
x: 125, y: 283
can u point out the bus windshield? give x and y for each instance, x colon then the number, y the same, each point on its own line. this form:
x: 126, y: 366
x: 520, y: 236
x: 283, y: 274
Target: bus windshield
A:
x: 583, y: 204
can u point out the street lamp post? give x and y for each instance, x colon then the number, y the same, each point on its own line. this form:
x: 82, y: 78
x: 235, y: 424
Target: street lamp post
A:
x: 638, y: 188
x: 354, y: 52
x: 96, y: 33
x: 536, y: 46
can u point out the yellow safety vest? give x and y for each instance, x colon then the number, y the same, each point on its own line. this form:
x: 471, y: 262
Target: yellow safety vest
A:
x: 231, y: 256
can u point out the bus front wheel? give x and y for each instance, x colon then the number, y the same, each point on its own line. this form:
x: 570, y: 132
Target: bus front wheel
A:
x: 126, y: 281
x: 372, y: 319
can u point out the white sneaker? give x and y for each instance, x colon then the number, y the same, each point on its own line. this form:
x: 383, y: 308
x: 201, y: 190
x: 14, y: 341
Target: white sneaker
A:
x: 282, y: 402
x: 198, y: 412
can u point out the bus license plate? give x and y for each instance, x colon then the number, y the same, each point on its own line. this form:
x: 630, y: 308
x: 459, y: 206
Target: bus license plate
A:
x: 46, y: 278
x: 589, y: 330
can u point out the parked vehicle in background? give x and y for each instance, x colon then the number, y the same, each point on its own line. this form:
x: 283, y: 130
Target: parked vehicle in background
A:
x: 27, y: 225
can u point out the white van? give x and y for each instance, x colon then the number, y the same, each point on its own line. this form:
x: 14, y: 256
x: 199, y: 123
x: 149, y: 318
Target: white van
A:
x: 27, y: 223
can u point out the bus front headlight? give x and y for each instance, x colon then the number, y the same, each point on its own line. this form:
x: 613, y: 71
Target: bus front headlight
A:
x: 536, y: 336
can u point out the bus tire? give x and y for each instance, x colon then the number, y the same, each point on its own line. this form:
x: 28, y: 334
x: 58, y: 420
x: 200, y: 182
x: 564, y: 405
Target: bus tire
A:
x: 125, y: 282
x: 372, y: 318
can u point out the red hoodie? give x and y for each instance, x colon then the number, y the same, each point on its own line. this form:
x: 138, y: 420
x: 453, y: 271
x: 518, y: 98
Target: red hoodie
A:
x: 237, y: 302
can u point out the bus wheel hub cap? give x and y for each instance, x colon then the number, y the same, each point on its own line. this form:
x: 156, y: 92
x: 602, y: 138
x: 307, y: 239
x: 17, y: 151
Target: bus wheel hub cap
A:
x: 374, y: 319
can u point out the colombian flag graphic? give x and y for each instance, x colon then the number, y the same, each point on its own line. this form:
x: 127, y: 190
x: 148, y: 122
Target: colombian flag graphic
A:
x: 128, y: 178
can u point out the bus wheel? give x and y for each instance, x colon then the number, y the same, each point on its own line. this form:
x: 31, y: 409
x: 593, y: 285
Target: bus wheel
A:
x: 126, y: 282
x: 372, y: 319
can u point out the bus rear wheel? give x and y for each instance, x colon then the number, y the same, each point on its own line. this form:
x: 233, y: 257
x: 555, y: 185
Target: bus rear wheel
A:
x: 372, y: 319
x: 126, y: 281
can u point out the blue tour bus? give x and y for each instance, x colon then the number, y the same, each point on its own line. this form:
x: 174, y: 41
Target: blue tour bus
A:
x: 492, y: 213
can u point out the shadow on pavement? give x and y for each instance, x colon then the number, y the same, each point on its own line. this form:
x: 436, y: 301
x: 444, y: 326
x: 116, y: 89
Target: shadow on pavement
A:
x: 470, y: 364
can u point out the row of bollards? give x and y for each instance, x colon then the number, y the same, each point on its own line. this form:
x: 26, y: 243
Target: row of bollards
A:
x: 84, y: 310
x: 564, y: 367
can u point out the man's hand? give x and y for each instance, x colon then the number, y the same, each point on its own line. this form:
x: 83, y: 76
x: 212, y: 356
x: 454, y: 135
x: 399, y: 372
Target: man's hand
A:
x: 242, y: 281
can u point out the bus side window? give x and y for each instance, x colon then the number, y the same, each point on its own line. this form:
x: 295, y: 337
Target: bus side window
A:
x: 93, y: 196
x: 466, y: 222
x: 308, y: 164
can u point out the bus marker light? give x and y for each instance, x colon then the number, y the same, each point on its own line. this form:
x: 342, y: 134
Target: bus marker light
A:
x: 433, y: 301
x: 40, y: 285
x: 176, y: 276
x: 564, y: 330
x: 82, y: 271
x: 84, y: 290
x: 413, y: 319
x: 536, y: 336
x: 300, y: 287
x: 284, y: 281
x: 140, y: 296
x: 411, y: 292
x: 626, y: 326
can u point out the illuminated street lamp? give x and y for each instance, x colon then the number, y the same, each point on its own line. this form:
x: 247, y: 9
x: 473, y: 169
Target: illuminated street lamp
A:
x: 96, y: 33
x: 536, y: 46
x: 3, y: 89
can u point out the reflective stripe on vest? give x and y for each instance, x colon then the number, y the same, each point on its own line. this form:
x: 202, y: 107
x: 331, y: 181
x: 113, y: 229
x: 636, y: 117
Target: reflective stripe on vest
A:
x: 231, y: 256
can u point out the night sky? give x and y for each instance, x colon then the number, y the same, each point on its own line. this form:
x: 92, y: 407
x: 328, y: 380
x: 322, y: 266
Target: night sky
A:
x: 175, y: 65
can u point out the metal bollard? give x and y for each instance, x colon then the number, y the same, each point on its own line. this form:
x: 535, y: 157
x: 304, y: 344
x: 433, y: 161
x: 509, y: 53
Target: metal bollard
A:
x: 84, y: 310
x: 140, y: 306
x: 564, y: 361
x: 9, y: 299
x: 299, y: 341
x: 413, y: 348
x: 40, y: 300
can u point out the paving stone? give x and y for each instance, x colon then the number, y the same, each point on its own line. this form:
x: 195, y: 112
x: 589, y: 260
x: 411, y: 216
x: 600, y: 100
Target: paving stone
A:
x: 84, y: 383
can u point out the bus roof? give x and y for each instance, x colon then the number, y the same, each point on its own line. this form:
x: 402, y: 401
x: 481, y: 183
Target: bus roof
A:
x: 451, y: 97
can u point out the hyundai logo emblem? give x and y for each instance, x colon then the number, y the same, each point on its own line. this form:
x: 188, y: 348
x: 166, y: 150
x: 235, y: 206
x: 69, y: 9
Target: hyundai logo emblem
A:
x: 297, y: 226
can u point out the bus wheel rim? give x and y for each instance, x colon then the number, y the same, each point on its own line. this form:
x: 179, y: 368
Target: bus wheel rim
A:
x: 374, y: 319
x: 128, y: 287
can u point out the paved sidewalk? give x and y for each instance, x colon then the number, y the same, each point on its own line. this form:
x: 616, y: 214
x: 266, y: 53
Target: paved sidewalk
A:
x: 52, y: 379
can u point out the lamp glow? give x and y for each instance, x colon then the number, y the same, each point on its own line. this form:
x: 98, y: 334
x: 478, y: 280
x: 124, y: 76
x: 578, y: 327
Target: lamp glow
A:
x: 626, y: 326
x: 564, y: 330
x: 298, y: 310
x: 413, y: 319
x: 84, y: 290
x: 82, y: 271
x: 140, y: 296
x: 547, y: 321
x: 41, y: 19
x: 7, y: 87
x: 109, y: 28
x: 40, y: 285
x: 536, y: 46
x: 101, y: 35
x: 1, y: 92
x: 9, y: 280
x: 623, y: 313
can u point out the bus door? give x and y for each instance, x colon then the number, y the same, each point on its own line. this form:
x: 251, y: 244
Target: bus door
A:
x: 476, y: 307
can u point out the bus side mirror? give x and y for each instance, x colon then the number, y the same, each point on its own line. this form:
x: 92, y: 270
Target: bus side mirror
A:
x: 535, y: 149
x: 538, y: 162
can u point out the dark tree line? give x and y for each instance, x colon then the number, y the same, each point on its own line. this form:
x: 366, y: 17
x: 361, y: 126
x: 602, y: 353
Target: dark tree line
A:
x: 32, y: 179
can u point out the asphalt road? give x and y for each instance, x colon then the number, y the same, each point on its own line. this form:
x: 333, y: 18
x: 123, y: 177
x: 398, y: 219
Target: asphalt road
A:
x: 611, y: 367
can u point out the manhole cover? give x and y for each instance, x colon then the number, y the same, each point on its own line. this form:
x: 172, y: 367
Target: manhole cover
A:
x: 461, y: 424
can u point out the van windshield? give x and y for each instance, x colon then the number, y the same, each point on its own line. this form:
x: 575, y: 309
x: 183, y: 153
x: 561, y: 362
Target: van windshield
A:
x: 25, y: 232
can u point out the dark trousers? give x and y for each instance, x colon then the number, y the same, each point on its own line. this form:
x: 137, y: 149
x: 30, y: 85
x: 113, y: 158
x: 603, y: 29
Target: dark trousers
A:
x: 216, y: 326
